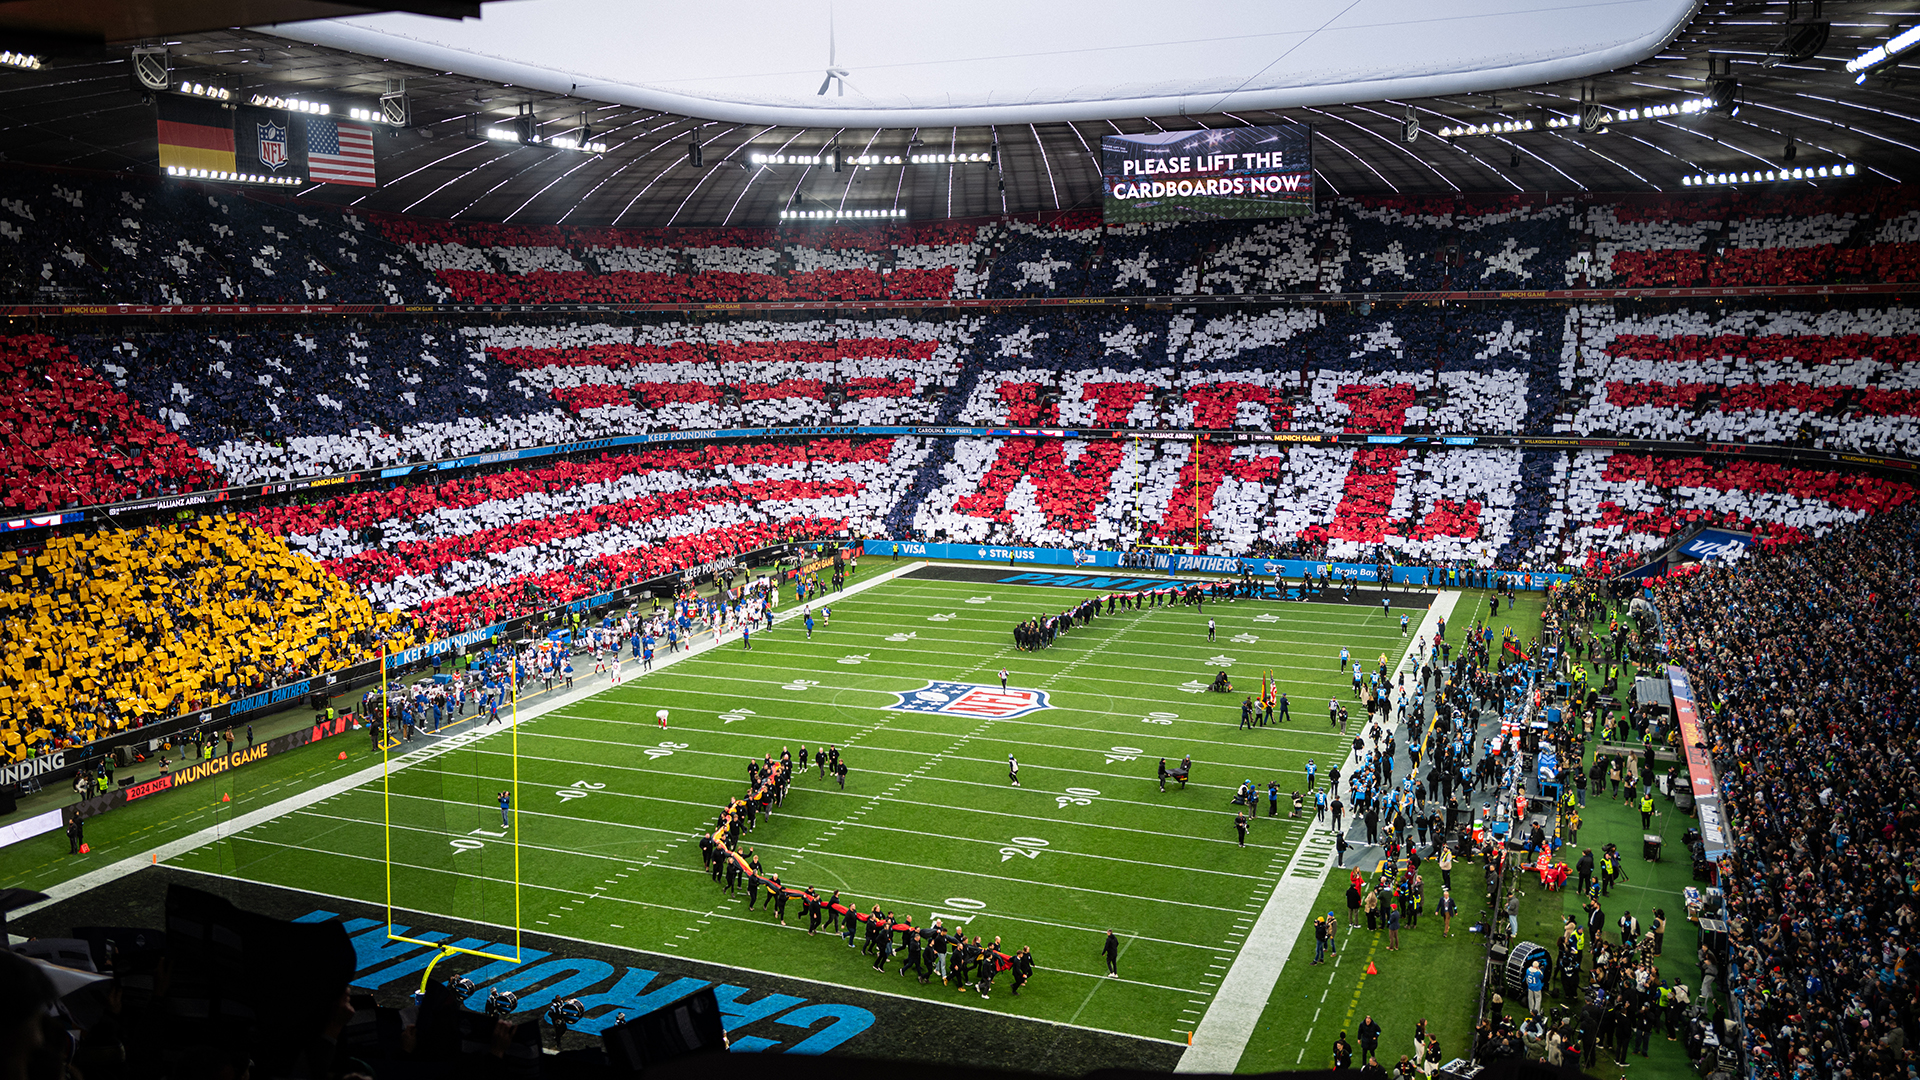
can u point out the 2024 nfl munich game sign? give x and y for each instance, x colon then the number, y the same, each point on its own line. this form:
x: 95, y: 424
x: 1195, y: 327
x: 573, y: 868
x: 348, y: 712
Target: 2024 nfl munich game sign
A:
x: 970, y: 699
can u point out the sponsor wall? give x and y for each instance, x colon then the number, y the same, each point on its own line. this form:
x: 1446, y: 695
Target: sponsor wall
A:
x: 1706, y: 786
x: 1177, y: 563
x: 190, y: 772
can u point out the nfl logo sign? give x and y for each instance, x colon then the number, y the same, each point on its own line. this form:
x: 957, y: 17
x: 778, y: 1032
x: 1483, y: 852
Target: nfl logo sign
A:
x: 273, y: 145
x: 970, y: 699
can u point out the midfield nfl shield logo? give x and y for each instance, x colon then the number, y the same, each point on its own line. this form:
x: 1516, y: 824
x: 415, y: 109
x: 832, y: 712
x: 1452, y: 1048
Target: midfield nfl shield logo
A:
x: 273, y: 145
x: 970, y: 699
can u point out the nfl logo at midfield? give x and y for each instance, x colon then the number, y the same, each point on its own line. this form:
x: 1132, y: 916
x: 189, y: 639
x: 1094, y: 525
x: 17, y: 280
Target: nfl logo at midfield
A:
x: 273, y: 145
x: 970, y: 699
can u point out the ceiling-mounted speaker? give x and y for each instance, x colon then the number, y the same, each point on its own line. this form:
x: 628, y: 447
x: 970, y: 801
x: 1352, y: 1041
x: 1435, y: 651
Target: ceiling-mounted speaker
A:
x: 1803, y: 42
x: 1725, y: 94
x: 394, y: 108
x: 150, y: 69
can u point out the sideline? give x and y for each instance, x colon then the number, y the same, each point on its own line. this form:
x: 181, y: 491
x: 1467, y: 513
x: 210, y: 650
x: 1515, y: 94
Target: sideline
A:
x: 439, y: 745
x: 1229, y: 1022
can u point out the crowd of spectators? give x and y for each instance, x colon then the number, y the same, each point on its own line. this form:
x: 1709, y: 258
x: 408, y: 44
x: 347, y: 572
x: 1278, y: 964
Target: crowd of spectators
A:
x: 1511, y: 509
x: 1803, y: 655
x: 474, y: 550
x: 117, y: 409
x: 109, y: 630
x: 68, y: 437
x: 74, y: 238
x: 119, y: 627
x: 288, y: 400
x: 69, y: 237
x: 1774, y: 374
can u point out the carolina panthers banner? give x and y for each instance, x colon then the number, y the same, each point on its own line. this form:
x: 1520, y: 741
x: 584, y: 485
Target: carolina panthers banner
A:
x: 1716, y: 544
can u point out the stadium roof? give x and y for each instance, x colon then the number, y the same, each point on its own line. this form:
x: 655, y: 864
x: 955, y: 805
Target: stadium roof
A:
x: 868, y: 63
x: 1782, y: 63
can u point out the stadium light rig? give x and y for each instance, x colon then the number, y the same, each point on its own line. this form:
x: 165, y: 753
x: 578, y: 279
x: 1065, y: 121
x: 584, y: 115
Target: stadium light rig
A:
x: 558, y: 142
x: 1860, y: 66
x: 202, y: 90
x: 373, y: 116
x: 870, y: 159
x: 1771, y: 176
x: 1689, y: 107
x: 1505, y: 127
x: 843, y: 215
x: 25, y: 61
x: 233, y: 178
x: 300, y: 105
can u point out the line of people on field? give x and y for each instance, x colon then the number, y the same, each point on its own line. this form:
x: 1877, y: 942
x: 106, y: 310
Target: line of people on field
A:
x: 929, y: 952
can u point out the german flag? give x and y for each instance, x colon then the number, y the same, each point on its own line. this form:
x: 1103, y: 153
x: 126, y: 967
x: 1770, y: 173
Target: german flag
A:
x: 195, y: 134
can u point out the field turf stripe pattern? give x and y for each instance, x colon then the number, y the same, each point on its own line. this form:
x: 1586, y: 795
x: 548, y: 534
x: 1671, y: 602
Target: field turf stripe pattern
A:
x: 611, y: 805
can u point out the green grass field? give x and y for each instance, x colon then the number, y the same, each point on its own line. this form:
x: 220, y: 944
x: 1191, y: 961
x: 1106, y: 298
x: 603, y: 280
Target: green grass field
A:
x: 610, y: 805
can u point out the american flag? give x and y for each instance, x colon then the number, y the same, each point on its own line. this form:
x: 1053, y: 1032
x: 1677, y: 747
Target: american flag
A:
x: 339, y: 153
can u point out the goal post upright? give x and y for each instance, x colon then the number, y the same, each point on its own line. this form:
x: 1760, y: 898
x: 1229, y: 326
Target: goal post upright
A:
x: 386, y: 800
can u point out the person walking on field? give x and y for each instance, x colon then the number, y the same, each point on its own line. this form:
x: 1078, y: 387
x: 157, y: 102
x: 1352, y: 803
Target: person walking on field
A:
x: 1112, y: 952
x: 1013, y: 770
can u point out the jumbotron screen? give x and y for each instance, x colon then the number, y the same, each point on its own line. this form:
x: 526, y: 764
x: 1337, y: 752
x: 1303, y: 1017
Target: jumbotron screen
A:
x: 1249, y: 172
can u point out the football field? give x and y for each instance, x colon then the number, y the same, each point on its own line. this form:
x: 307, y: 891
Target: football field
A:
x: 610, y: 806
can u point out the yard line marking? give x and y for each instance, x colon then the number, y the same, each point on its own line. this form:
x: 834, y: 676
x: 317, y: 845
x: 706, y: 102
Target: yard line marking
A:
x: 689, y: 870
x: 1132, y: 692
x: 686, y: 775
x: 1066, y: 709
x: 563, y: 851
x: 1222, y: 1036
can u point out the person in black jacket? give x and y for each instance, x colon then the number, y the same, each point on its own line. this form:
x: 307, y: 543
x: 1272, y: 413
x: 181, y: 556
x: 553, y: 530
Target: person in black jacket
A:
x: 1112, y: 951
x: 1022, y: 968
x: 910, y: 943
x: 1369, y: 1036
x: 779, y: 894
x: 1342, y: 1053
